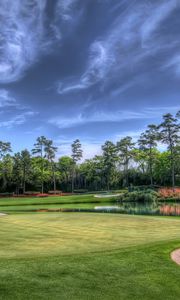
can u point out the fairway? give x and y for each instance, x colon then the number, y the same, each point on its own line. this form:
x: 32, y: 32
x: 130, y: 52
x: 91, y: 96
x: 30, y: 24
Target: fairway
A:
x: 73, y: 233
x: 67, y: 255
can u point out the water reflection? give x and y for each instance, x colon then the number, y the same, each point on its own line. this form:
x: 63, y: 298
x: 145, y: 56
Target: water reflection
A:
x: 166, y: 209
x: 136, y: 208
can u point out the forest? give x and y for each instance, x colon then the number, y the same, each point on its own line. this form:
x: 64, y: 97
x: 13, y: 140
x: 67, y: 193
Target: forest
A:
x: 123, y: 164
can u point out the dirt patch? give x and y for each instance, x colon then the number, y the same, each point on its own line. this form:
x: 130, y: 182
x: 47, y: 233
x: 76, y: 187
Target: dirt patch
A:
x: 175, y: 256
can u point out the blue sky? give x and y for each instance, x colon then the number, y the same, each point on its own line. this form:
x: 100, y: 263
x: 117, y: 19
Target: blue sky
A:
x: 87, y: 69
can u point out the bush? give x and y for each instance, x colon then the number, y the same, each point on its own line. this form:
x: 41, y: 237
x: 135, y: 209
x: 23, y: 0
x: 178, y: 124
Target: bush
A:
x: 142, y: 188
x: 139, y: 196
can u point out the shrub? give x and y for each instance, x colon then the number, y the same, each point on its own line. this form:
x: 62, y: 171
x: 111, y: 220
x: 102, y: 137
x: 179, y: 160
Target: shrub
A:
x: 139, y: 196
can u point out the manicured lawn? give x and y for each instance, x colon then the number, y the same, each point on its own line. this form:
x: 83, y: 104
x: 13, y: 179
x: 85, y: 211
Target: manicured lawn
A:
x: 88, y: 256
x: 50, y: 206
x: 11, y: 205
x: 53, y: 200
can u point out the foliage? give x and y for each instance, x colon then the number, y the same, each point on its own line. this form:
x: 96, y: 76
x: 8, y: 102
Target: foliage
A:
x: 125, y: 149
x: 123, y: 164
x: 109, y: 160
x: 140, y: 196
x: 170, y: 136
x: 77, y: 154
x: 148, y: 143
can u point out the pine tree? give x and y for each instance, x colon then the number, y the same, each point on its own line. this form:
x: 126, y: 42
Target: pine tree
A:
x: 77, y: 154
x: 125, y: 149
x: 169, y: 133
x: 39, y: 147
x: 148, y: 143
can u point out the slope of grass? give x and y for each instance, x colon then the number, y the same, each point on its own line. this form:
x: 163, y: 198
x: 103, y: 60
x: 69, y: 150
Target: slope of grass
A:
x: 53, y: 200
x: 137, y: 273
x: 88, y: 256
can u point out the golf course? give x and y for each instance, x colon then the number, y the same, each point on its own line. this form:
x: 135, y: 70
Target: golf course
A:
x: 78, y: 255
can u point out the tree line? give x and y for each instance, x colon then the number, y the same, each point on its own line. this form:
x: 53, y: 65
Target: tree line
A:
x: 121, y: 164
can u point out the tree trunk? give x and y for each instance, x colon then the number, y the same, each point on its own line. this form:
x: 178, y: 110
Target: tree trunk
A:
x: 72, y: 184
x: 42, y: 172
x: 24, y: 187
x: 150, y: 167
x: 24, y: 180
x: 172, y: 168
x: 54, y: 176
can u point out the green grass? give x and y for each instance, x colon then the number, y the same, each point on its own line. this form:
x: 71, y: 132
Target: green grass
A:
x: 11, y: 205
x: 53, y: 200
x: 88, y: 256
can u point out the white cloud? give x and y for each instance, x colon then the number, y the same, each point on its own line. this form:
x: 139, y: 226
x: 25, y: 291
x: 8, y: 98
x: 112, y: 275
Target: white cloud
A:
x: 18, y: 119
x: 98, y: 116
x: 157, y: 16
x: 174, y: 63
x: 107, y: 116
x: 68, y: 13
x: 21, y: 36
x: 129, y: 41
x: 6, y: 99
x: 65, y: 9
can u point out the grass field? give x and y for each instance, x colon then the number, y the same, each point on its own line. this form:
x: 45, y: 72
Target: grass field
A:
x: 88, y: 256
x: 75, y: 199
x: 11, y: 205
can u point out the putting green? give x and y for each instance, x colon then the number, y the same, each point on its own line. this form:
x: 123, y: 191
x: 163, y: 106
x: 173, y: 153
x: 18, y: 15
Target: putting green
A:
x: 39, y: 234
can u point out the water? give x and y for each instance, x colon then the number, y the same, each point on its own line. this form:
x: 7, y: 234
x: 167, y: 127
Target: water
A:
x: 157, y: 208
x: 136, y: 208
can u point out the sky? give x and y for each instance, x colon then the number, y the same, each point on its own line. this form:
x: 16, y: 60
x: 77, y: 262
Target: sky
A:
x: 95, y: 70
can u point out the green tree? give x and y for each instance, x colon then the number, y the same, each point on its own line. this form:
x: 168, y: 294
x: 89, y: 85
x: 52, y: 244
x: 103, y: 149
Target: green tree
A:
x: 162, y: 168
x: 169, y: 133
x: 6, y: 169
x: 77, y: 154
x: 110, y: 159
x: 26, y: 168
x: 140, y: 157
x: 5, y: 148
x: 39, y: 149
x: 50, y: 153
x: 148, y: 143
x: 125, y: 150
x: 17, y: 171
x: 65, y: 166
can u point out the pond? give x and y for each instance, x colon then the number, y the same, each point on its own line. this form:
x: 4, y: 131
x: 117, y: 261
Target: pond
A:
x: 158, y: 208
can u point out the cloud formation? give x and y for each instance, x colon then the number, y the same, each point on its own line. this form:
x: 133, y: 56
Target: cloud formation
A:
x: 12, y: 112
x: 95, y: 69
x: 18, y: 119
x: 130, y: 40
x: 101, y: 116
x: 21, y: 36
x: 6, y: 100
